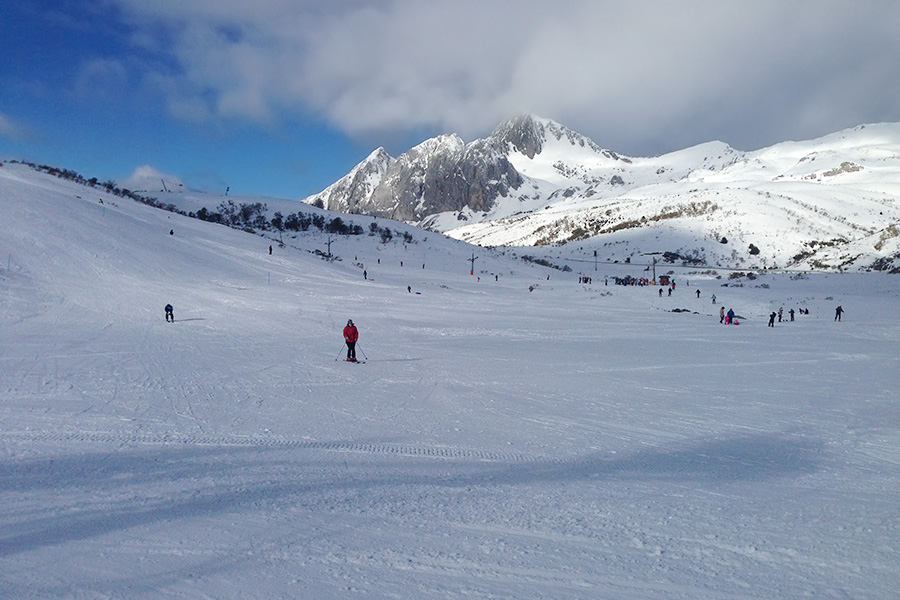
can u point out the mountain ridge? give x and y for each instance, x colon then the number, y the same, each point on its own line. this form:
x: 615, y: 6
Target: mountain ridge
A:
x: 533, y: 181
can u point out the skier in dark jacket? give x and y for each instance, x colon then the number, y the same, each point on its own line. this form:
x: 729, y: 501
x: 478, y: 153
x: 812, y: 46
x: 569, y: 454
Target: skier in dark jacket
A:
x: 170, y: 315
x: 351, y: 334
x: 772, y: 316
x: 838, y: 312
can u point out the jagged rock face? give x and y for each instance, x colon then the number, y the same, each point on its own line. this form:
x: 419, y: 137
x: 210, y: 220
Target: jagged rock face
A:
x: 527, y: 135
x: 352, y: 192
x: 439, y: 175
x: 442, y: 175
x: 523, y: 133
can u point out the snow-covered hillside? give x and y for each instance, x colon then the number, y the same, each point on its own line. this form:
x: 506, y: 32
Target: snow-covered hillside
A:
x: 826, y: 204
x: 513, y: 434
x: 829, y: 203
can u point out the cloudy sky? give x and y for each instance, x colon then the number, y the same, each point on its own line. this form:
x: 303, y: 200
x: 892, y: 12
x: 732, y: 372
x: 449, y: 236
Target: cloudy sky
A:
x: 282, y: 97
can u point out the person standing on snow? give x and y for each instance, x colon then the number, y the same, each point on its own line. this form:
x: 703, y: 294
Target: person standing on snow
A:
x: 838, y: 312
x: 722, y: 314
x: 170, y: 315
x: 729, y: 316
x: 351, y: 334
x: 772, y: 319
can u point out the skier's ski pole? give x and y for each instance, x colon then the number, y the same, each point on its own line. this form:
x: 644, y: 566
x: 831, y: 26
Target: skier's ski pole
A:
x: 361, y: 350
x: 339, y: 354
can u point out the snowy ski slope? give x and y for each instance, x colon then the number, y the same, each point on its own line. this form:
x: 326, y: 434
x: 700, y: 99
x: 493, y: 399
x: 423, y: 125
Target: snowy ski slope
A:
x: 511, y: 436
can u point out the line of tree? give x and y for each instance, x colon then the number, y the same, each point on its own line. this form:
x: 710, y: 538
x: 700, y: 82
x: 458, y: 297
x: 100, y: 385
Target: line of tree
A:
x: 252, y: 217
x: 109, y: 186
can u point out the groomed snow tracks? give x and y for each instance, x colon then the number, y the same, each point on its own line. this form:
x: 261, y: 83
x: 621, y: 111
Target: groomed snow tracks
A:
x: 439, y: 452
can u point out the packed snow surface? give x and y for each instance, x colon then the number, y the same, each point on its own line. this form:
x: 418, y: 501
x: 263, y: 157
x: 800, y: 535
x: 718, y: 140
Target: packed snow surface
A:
x: 509, y: 436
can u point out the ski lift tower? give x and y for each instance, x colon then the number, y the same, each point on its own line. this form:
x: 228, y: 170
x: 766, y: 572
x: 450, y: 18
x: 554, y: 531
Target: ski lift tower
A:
x: 472, y: 260
x: 653, y: 264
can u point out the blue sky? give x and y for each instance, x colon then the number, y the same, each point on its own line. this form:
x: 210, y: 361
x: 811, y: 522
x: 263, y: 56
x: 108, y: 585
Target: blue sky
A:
x: 282, y: 97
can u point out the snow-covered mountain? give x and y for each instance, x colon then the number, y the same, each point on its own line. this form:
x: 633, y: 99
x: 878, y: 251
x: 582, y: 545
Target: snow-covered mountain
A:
x: 829, y: 203
x: 356, y: 188
x: 440, y: 175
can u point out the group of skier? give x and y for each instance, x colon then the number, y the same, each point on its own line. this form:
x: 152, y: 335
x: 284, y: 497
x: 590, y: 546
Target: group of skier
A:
x: 728, y: 317
x: 351, y: 333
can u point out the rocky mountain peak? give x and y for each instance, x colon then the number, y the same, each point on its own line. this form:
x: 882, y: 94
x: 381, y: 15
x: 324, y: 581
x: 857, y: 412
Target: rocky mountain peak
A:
x: 529, y: 135
x: 442, y: 144
x: 524, y: 134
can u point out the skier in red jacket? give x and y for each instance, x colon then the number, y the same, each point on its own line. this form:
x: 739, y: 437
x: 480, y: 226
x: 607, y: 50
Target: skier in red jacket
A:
x: 351, y: 334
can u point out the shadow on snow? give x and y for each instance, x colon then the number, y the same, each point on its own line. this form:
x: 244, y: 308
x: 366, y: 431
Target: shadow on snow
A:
x: 207, y: 481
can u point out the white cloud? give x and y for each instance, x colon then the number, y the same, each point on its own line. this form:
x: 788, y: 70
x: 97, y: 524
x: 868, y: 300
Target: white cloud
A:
x: 148, y: 179
x: 635, y: 76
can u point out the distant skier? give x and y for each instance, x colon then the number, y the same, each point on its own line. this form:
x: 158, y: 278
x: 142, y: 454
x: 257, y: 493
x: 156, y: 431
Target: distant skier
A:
x: 780, y: 312
x: 713, y: 298
x: 270, y: 250
x: 791, y: 312
x: 729, y: 316
x: 698, y: 293
x: 365, y: 274
x: 170, y: 315
x: 772, y: 316
x: 838, y: 312
x: 351, y: 334
x: 722, y: 314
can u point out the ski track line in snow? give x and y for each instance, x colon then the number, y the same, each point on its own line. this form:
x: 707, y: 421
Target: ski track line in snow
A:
x: 362, y: 448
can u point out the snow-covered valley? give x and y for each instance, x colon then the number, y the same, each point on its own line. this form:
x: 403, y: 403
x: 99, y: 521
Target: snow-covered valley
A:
x: 513, y: 433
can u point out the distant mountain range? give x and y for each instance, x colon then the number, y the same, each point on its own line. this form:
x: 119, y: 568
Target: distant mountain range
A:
x: 829, y: 203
